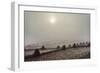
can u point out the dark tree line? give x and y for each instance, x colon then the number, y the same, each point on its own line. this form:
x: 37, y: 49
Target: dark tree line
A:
x: 74, y: 45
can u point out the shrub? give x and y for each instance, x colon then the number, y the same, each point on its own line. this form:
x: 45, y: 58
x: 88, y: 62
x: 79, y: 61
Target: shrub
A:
x: 64, y: 47
x: 43, y: 47
x: 36, y: 53
x: 58, y: 46
x: 74, y: 45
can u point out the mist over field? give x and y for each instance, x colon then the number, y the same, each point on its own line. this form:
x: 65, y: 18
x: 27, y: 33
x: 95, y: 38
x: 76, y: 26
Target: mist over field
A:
x: 52, y: 29
x: 56, y: 36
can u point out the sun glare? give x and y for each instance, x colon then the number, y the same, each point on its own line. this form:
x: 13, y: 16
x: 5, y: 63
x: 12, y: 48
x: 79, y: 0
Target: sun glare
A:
x: 52, y: 20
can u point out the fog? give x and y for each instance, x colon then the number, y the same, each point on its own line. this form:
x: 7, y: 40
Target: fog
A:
x: 50, y: 26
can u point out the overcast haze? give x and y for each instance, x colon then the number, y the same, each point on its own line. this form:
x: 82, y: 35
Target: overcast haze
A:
x: 46, y: 26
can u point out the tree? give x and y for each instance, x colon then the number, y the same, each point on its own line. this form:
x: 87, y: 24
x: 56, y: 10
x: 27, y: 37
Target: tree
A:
x: 74, y: 45
x: 83, y: 44
x: 43, y: 47
x: 80, y: 45
x: 58, y: 46
x: 69, y: 46
x: 64, y: 47
x: 36, y: 53
x: 88, y: 44
x: 77, y: 45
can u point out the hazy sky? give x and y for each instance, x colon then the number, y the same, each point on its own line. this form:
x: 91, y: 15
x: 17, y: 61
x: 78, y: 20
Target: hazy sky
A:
x: 50, y: 26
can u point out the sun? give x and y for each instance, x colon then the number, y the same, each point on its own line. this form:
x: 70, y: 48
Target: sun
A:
x: 52, y: 20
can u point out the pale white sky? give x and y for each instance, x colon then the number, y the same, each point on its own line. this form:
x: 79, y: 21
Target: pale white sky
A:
x: 46, y: 26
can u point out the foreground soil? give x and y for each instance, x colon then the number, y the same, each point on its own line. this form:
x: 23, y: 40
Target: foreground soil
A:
x: 72, y: 53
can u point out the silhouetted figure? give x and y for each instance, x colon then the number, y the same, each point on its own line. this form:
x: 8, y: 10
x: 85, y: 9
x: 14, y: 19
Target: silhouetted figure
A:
x: 43, y: 47
x: 58, y: 46
x: 74, y: 45
x: 64, y: 47
x: 36, y: 53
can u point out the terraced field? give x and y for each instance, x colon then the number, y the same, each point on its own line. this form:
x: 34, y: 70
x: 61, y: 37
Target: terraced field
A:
x: 72, y: 53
